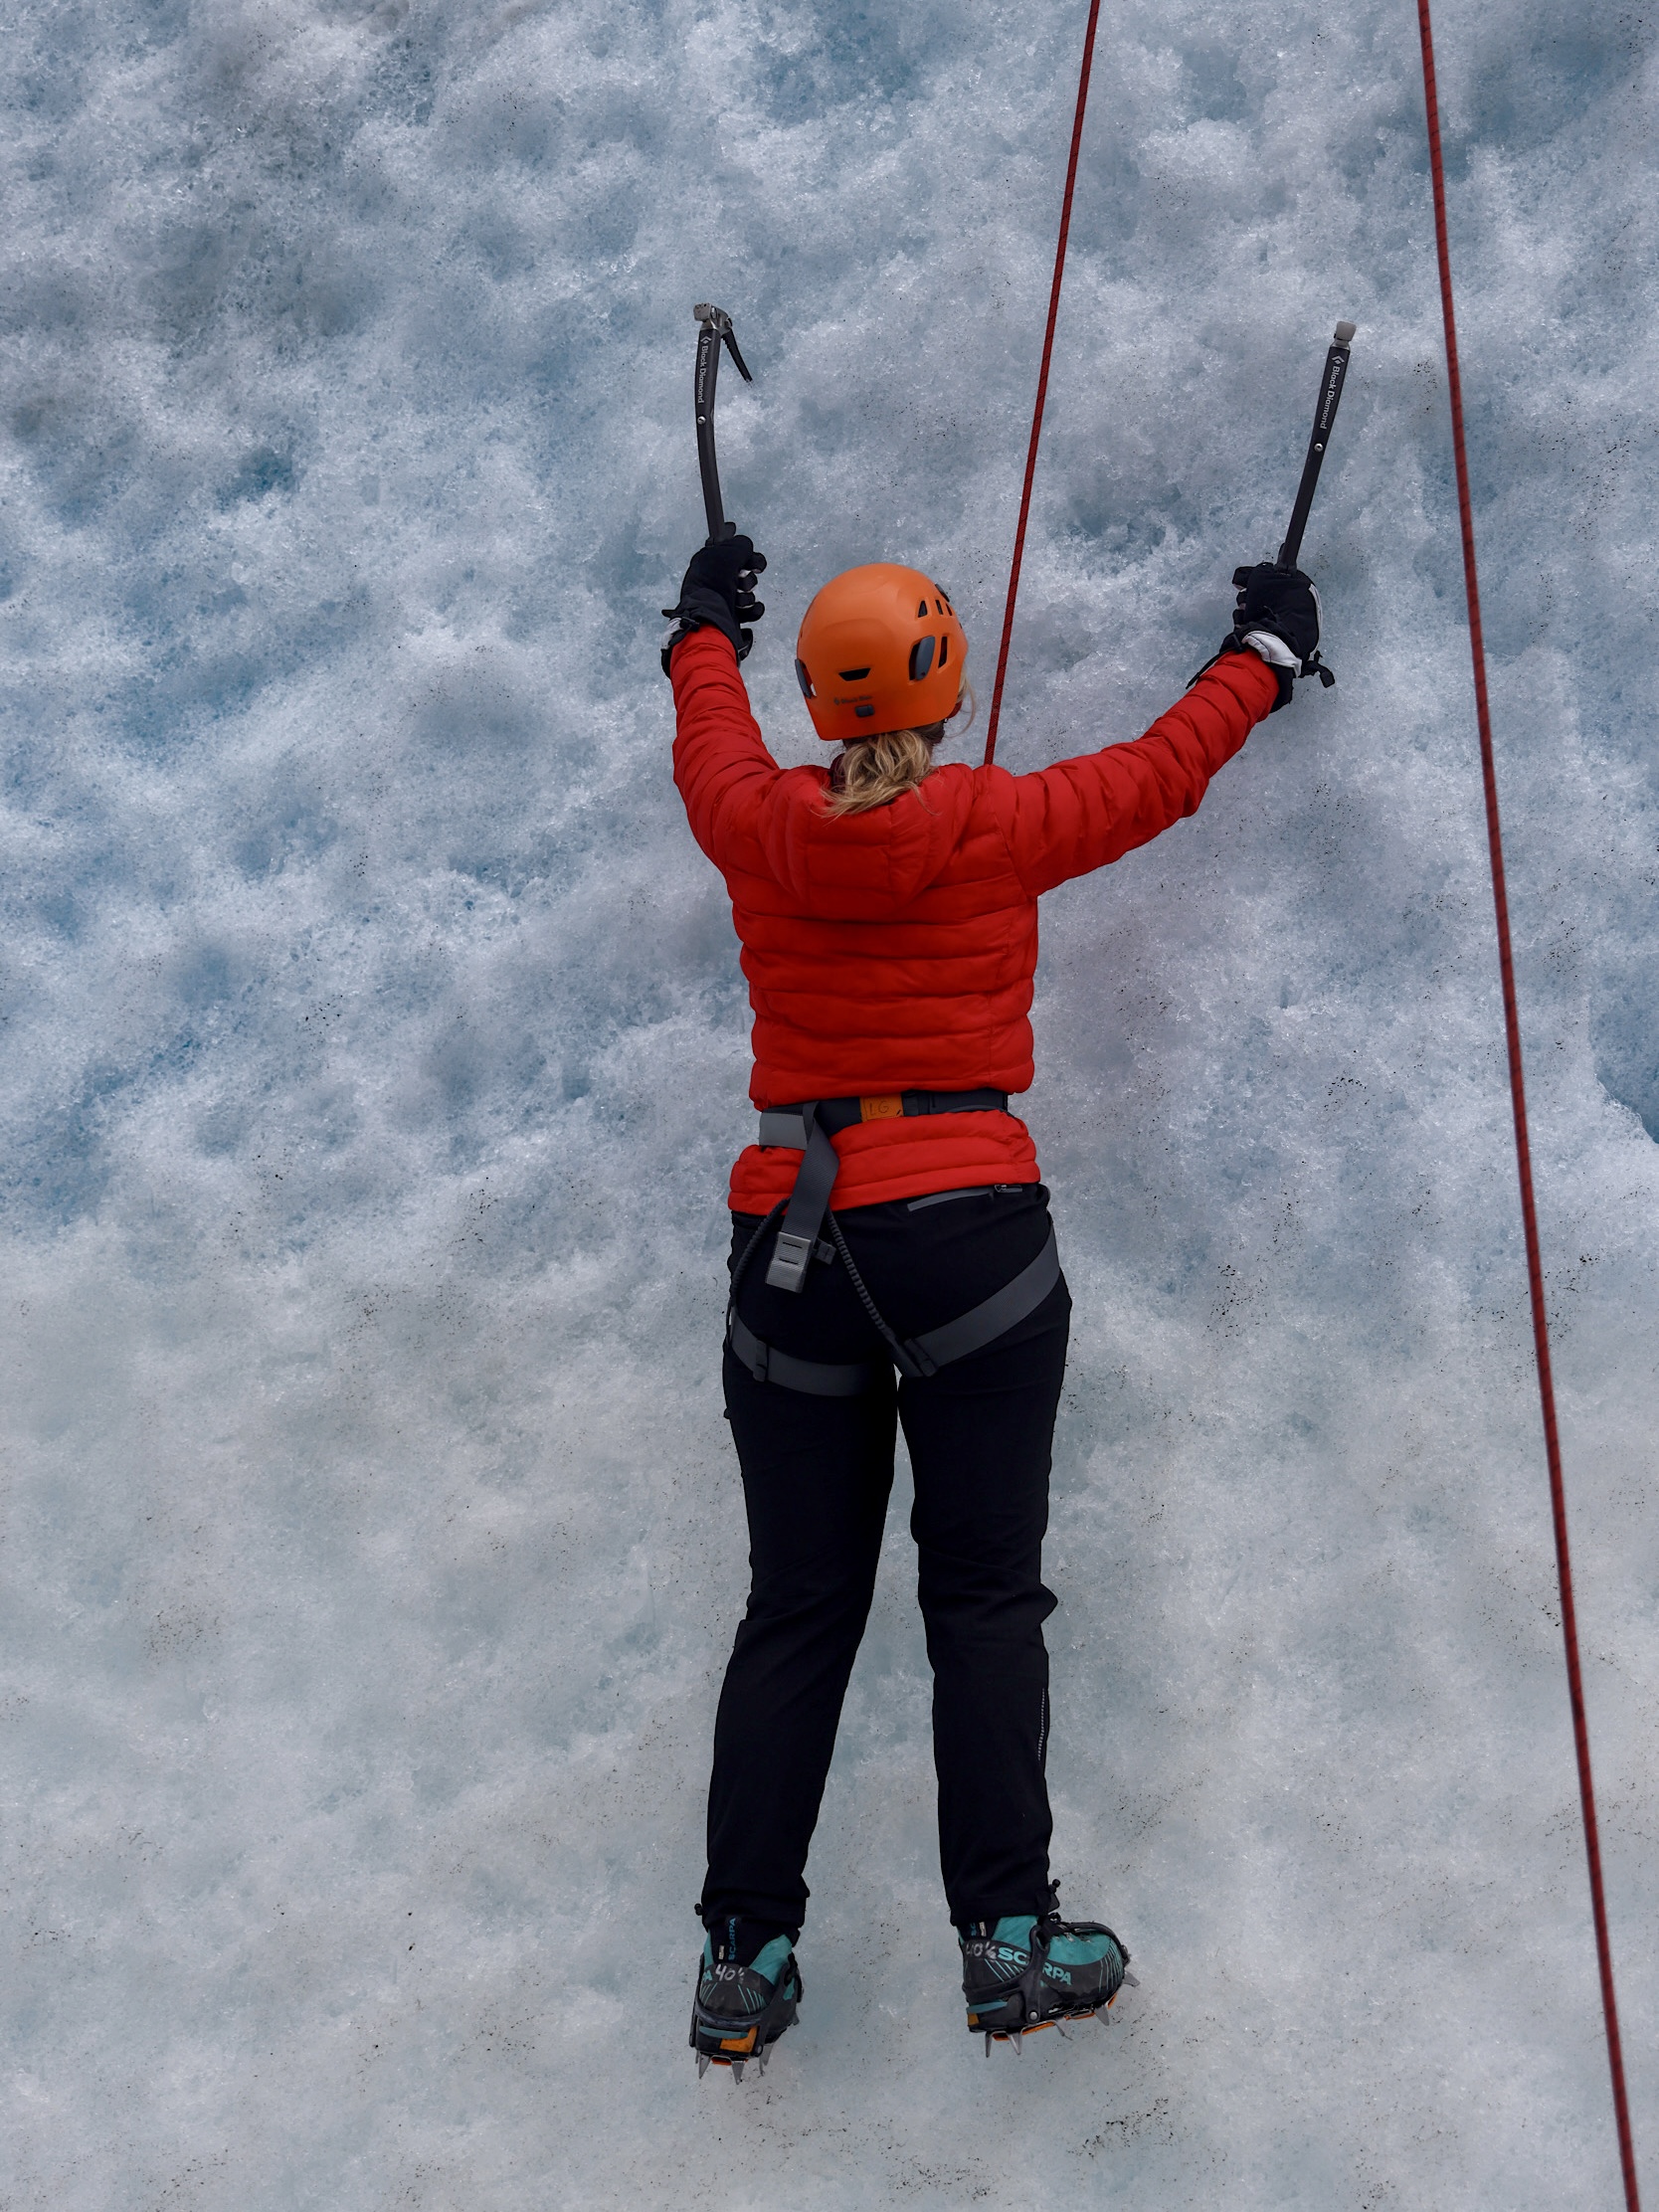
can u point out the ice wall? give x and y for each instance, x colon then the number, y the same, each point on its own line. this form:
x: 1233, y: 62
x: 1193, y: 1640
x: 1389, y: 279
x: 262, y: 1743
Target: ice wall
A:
x: 374, y: 1048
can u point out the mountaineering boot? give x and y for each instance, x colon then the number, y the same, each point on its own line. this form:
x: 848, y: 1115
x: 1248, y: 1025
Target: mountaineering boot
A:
x: 743, y: 2006
x: 1023, y: 1972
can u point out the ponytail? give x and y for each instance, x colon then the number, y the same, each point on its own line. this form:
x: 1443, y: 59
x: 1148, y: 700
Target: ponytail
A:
x: 873, y: 771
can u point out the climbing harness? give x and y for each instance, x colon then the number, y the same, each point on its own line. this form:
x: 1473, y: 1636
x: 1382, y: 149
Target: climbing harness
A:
x: 915, y: 1356
x: 812, y: 1126
x: 806, y: 1212
x: 1522, y: 1148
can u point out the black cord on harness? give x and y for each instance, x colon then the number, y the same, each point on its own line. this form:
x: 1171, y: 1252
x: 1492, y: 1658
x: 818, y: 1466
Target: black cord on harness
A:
x: 901, y: 1359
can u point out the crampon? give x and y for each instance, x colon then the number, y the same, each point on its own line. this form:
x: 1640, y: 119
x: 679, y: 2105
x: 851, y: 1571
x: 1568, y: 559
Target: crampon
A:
x: 1023, y: 1974
x: 739, y: 2012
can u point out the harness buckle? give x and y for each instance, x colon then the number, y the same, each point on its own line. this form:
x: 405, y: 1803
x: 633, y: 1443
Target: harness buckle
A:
x: 789, y: 1259
x: 780, y: 1128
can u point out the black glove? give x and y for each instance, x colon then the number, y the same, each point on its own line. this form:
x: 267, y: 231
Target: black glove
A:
x: 720, y: 591
x: 1276, y: 615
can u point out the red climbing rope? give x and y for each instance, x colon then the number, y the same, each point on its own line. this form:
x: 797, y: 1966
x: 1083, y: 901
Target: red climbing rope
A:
x: 1523, y: 1150
x: 1043, y: 384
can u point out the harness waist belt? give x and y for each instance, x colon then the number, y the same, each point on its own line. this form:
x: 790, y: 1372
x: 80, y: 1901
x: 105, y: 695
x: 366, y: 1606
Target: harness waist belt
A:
x: 818, y: 1121
x: 786, y: 1125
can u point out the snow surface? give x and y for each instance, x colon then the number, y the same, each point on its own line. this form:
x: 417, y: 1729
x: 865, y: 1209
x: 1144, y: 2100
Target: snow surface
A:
x: 374, y: 1050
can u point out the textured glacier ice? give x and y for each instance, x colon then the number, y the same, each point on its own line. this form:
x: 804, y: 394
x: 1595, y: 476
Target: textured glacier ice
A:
x: 375, y: 1048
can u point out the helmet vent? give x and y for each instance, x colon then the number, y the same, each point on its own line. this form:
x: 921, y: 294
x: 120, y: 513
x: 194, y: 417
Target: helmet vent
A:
x: 921, y: 611
x: 921, y: 659
x: 805, y: 680
x: 852, y: 675
x: 944, y: 648
x: 864, y: 711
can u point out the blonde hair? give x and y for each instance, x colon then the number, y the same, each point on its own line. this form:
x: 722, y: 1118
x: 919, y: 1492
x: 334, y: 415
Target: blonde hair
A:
x: 873, y: 772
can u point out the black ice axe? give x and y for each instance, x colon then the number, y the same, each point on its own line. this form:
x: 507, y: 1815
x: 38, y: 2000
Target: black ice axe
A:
x: 1332, y: 378
x: 714, y: 325
x: 1325, y: 413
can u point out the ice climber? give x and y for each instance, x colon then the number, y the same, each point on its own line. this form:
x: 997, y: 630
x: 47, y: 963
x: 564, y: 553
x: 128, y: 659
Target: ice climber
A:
x: 892, y: 1258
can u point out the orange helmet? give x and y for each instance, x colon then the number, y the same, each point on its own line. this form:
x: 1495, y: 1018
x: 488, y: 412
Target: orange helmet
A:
x: 879, y: 649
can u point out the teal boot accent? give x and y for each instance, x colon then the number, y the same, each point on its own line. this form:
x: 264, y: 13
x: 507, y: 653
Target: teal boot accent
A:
x: 740, y: 2011
x: 1027, y: 1972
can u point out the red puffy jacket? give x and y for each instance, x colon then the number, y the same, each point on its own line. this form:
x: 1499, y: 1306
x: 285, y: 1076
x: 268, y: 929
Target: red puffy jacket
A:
x: 894, y: 950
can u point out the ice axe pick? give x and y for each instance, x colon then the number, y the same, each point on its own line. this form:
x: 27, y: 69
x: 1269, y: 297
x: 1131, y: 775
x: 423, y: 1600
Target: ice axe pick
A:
x: 713, y: 326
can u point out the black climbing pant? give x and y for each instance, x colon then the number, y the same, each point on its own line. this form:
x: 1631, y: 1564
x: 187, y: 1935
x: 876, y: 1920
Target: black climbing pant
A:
x: 817, y: 1472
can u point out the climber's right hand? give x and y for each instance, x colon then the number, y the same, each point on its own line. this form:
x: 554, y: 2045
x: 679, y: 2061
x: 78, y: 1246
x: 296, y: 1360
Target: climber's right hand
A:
x: 1276, y: 616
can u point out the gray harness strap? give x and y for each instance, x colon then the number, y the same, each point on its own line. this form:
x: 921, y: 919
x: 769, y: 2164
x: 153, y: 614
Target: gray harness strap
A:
x: 819, y: 1378
x: 921, y: 1355
x: 812, y: 1125
x: 808, y: 1202
x: 993, y: 1317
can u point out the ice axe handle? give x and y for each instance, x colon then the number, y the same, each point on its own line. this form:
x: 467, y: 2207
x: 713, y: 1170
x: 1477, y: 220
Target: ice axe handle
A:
x: 714, y: 325
x: 1330, y: 382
